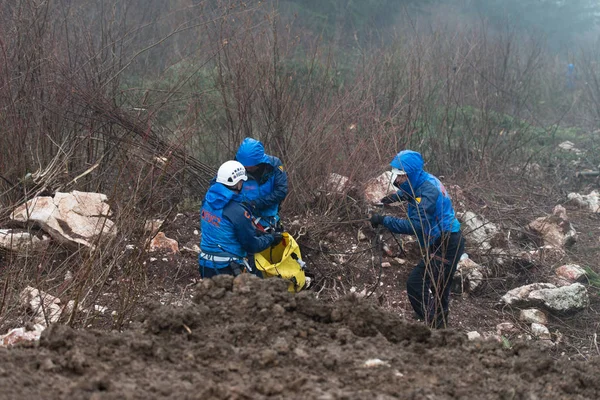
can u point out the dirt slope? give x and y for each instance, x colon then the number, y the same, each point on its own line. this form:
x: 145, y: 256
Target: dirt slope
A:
x: 251, y: 339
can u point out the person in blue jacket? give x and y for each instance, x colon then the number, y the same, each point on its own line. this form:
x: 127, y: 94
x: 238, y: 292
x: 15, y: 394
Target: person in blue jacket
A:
x: 267, y: 184
x: 229, y: 237
x: 431, y: 219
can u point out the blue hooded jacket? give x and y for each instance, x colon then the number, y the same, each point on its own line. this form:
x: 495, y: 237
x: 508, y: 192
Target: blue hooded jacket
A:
x: 430, y: 210
x: 227, y: 228
x: 267, y: 191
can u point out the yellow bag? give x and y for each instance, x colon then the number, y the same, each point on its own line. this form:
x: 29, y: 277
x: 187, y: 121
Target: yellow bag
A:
x: 283, y: 260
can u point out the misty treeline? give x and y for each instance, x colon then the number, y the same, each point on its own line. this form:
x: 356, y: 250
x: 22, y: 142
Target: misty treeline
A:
x: 143, y: 99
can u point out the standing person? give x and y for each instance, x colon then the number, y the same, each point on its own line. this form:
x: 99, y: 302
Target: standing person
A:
x: 431, y: 219
x: 267, y: 183
x: 228, y: 234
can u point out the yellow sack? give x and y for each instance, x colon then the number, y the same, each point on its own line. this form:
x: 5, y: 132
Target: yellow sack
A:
x: 284, y: 261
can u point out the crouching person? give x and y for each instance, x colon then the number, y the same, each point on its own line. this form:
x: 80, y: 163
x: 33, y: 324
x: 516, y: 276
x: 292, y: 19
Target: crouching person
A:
x: 431, y: 219
x: 228, y: 234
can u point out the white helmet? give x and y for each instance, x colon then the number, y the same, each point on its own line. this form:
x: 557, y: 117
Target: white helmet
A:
x: 231, y: 172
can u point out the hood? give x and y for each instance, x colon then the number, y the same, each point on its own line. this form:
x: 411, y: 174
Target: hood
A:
x: 219, y: 195
x: 412, y: 163
x: 251, y: 152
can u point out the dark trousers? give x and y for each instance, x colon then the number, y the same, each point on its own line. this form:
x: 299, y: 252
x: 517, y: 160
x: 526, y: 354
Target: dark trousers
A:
x: 435, y: 273
x: 234, y: 268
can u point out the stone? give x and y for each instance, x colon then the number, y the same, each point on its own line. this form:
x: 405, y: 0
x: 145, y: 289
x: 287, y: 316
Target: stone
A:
x: 590, y: 201
x: 555, y: 230
x: 44, y: 307
x: 153, y: 225
x: 533, y: 315
x: 474, y: 335
x: 520, y: 296
x: 337, y: 184
x: 161, y: 242
x: 479, y: 231
x: 562, y: 300
x: 469, y: 275
x: 379, y: 187
x: 17, y: 240
x: 504, y: 328
x: 75, y: 218
x: 540, y: 331
x: 571, y: 273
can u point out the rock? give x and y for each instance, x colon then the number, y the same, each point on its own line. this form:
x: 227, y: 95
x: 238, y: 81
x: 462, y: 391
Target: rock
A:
x: 540, y: 331
x: 478, y: 231
x: 19, y: 335
x: 375, y: 362
x: 556, y: 230
x: 571, y: 273
x: 386, y: 265
x: 17, y: 240
x: 379, y: 187
x: 562, y: 300
x: 337, y: 184
x: 504, y: 328
x: 42, y: 305
x: 569, y: 146
x: 520, y: 296
x: 153, y: 225
x: 161, y: 242
x: 76, y: 218
x: 469, y: 276
x: 590, y: 201
x: 361, y: 236
x: 474, y: 335
x: 533, y: 315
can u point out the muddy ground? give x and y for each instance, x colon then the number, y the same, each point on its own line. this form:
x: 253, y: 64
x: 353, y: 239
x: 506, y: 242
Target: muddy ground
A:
x: 251, y: 339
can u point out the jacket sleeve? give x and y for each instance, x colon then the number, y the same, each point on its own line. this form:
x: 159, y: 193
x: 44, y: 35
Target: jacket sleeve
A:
x: 244, y: 231
x: 421, y: 218
x: 280, y: 188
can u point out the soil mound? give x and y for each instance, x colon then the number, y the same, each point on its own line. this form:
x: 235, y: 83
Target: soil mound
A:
x: 250, y: 339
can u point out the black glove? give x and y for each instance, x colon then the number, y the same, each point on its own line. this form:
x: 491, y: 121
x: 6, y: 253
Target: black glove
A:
x: 277, y: 238
x: 390, y: 199
x: 376, y: 219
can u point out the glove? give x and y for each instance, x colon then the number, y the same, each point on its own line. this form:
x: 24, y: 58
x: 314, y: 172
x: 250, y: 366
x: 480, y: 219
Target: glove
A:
x: 376, y: 219
x: 391, y: 198
x: 277, y: 238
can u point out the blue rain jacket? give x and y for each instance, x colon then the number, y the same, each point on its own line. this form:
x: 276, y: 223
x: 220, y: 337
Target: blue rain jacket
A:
x: 267, y: 191
x: 227, y: 228
x: 430, y: 211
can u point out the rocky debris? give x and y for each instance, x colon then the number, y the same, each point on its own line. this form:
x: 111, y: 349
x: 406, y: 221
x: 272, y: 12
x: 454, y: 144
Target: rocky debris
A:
x: 474, y: 335
x: 20, y: 335
x: 571, y: 273
x: 570, y: 146
x: 478, y: 231
x: 590, y: 201
x: 379, y: 187
x: 75, y: 218
x: 18, y: 240
x: 559, y: 300
x: 506, y: 328
x: 544, y: 255
x: 152, y: 226
x: 562, y: 300
x: 337, y: 184
x: 44, y: 307
x: 533, y: 315
x: 469, y: 276
x: 540, y: 331
x: 555, y: 230
x: 162, y: 243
